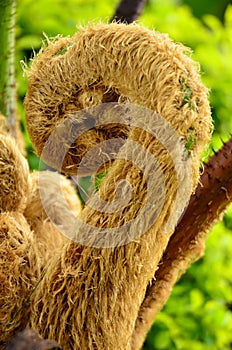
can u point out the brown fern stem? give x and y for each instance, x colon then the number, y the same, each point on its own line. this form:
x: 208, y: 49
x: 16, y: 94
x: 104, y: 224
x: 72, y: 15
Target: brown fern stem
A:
x: 128, y: 11
x: 212, y: 196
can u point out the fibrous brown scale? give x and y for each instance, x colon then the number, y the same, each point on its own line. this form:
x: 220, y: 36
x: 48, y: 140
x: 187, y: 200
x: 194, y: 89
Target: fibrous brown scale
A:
x: 50, y: 207
x: 109, y: 63
x: 14, y: 176
x: 19, y: 271
x: 99, y: 280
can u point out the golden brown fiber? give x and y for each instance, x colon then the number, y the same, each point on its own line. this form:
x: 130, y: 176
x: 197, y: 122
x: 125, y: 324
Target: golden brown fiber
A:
x: 14, y: 176
x: 99, y: 285
x: 51, y: 205
x: 18, y: 273
x: 108, y: 63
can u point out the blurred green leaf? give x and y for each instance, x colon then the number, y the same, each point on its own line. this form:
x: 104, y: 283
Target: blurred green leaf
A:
x: 29, y: 42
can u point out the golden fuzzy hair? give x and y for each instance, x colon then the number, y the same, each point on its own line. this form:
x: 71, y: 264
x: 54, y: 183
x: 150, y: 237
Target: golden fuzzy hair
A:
x: 110, y: 63
x: 19, y: 271
x: 14, y: 176
x: 49, y: 217
x: 91, y: 294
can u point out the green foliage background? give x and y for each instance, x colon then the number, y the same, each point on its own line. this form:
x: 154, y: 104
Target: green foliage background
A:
x: 198, y: 315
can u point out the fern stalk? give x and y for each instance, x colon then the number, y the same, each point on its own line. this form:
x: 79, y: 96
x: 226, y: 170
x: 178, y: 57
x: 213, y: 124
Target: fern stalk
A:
x: 7, y: 63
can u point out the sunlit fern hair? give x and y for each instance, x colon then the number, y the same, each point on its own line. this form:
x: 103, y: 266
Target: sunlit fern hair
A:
x: 19, y: 271
x: 110, y: 63
x: 99, y: 291
x: 14, y: 176
x: 51, y: 205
